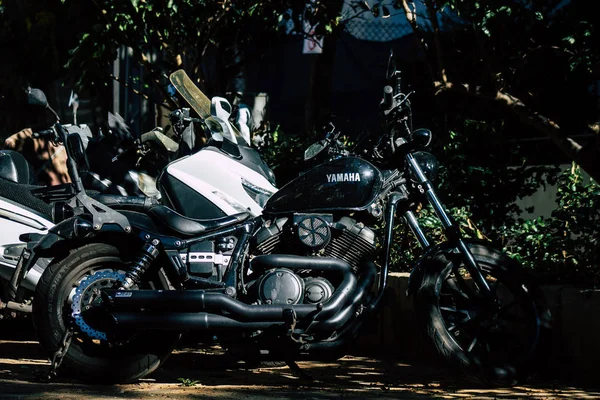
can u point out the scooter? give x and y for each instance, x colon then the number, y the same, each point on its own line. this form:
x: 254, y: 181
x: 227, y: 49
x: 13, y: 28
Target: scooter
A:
x: 20, y: 213
x: 23, y: 213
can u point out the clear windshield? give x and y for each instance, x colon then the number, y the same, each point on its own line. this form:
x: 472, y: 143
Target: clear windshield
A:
x: 197, y: 100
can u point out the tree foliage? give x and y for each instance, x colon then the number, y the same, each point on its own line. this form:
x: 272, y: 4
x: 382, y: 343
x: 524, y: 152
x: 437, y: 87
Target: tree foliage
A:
x: 498, y: 67
x: 534, y: 60
x: 166, y: 35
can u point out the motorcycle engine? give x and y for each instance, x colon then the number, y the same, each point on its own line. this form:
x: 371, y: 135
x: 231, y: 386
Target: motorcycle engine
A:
x: 318, y: 235
x: 283, y: 286
x: 308, y: 235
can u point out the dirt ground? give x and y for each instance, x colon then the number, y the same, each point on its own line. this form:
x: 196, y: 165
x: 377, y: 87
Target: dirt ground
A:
x: 213, y: 375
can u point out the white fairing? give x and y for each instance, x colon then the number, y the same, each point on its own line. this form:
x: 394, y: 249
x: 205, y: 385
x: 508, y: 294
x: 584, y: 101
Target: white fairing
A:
x: 15, y: 221
x: 218, y: 178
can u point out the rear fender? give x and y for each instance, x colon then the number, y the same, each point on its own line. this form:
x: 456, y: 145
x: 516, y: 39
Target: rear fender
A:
x: 69, y: 233
x: 78, y: 230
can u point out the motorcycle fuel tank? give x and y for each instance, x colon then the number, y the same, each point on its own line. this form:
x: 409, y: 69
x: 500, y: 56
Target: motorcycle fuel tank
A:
x: 347, y: 183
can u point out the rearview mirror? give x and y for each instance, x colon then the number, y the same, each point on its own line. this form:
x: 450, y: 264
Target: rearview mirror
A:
x: 391, y: 66
x: 36, y: 97
x: 313, y: 150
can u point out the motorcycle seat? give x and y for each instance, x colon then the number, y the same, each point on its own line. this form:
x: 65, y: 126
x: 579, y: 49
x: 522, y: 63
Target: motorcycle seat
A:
x: 185, y: 226
x: 131, y: 203
x: 20, y: 194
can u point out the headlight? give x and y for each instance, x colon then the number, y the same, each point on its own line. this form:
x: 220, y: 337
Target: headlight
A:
x: 428, y: 163
x: 258, y: 194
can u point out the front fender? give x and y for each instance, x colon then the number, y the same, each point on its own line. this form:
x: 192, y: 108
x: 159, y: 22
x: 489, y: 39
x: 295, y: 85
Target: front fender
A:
x: 416, y: 275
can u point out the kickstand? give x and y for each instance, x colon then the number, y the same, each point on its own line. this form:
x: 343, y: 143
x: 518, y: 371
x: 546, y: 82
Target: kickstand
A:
x: 298, y: 371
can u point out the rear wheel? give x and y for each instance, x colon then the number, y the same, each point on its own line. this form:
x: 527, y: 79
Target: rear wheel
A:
x: 93, y: 356
x: 499, y: 342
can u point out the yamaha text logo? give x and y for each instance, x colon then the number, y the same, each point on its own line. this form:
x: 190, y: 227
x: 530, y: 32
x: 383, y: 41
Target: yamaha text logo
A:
x: 345, y: 177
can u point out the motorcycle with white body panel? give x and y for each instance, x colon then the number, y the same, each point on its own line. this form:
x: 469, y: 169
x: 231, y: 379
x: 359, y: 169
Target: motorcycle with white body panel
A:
x: 221, y: 179
x: 228, y: 180
x: 20, y: 213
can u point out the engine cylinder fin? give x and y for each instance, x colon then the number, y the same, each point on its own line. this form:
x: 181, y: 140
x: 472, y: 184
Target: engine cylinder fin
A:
x: 349, y: 247
x: 350, y: 241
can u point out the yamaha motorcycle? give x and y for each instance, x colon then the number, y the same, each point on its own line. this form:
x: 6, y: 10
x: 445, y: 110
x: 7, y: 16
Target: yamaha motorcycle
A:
x: 297, y: 281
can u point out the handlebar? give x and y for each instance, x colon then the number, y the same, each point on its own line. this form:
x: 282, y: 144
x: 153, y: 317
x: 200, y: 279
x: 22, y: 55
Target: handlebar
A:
x: 48, y: 134
x: 125, y: 153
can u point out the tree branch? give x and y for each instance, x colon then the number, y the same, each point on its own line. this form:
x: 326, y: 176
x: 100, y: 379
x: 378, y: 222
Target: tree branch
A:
x: 411, y: 17
x: 585, y: 156
x: 432, y: 10
x: 140, y: 54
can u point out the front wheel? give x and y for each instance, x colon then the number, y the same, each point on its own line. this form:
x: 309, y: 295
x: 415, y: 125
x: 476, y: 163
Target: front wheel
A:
x: 501, y: 342
x: 93, y: 356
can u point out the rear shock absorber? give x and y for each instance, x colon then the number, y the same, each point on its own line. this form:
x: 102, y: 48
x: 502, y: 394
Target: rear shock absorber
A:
x: 140, y: 265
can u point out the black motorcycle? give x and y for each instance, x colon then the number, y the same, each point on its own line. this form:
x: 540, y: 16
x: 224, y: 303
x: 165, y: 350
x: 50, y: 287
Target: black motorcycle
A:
x: 298, y: 282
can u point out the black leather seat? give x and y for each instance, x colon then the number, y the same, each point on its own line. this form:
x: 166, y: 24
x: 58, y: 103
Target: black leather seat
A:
x: 184, y: 226
x: 20, y: 194
x: 131, y: 203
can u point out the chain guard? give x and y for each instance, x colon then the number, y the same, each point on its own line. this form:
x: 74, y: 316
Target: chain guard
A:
x: 86, y: 293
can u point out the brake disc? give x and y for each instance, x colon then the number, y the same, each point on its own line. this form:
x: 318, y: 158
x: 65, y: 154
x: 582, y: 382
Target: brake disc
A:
x: 87, y: 295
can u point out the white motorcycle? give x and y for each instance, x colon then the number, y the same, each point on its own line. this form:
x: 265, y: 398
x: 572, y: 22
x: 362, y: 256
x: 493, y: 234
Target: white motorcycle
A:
x: 20, y: 213
x: 223, y: 178
x: 23, y: 214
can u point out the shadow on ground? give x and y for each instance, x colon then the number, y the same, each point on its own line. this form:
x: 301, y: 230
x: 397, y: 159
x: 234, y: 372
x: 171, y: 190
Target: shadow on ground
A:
x: 211, y: 374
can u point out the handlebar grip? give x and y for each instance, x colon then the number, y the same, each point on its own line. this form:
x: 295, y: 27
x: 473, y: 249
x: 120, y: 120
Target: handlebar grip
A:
x: 44, y: 134
x: 388, y: 97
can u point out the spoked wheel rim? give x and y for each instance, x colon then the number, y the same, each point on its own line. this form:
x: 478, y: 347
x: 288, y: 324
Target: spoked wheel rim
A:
x: 496, y: 337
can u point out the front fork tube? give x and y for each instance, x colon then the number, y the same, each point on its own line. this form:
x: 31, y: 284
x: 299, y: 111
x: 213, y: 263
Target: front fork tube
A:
x: 413, y: 224
x: 452, y: 230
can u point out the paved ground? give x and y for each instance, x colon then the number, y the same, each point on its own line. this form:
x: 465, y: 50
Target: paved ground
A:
x: 213, y: 375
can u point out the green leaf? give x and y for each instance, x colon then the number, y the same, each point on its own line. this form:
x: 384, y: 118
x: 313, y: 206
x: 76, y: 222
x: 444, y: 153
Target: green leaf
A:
x: 252, y: 9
